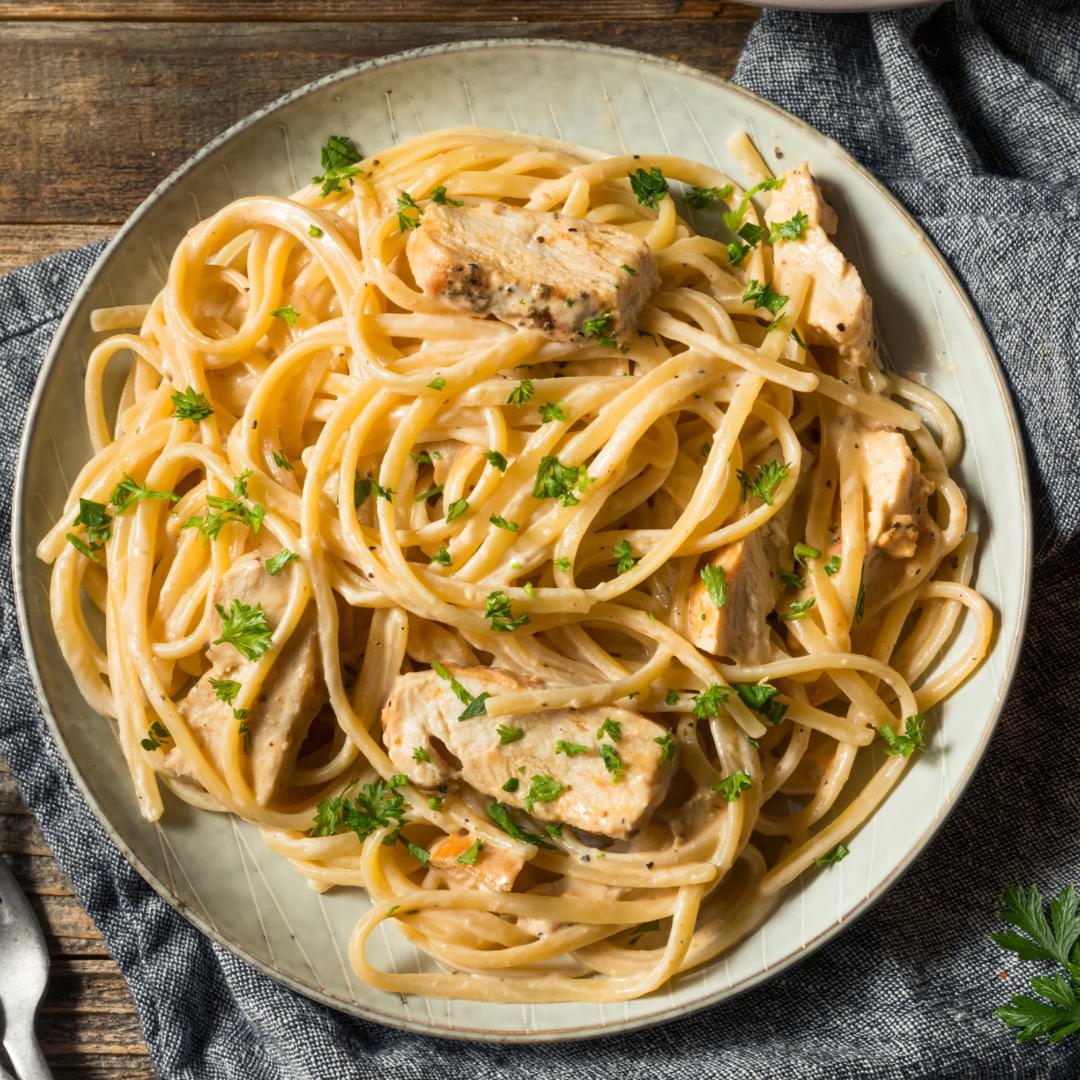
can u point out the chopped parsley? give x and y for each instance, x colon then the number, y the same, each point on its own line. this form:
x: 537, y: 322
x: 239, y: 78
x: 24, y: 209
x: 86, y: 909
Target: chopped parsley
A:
x: 521, y: 394
x: 440, y: 670
x: 83, y: 548
x: 443, y: 558
x: 98, y: 523
x: 552, y: 410
x: 339, y: 163
x: 792, y: 229
x: 497, y: 609
x: 405, y: 220
x: 732, y: 787
x: 500, y: 815
x: 157, y: 734
x: 435, y: 803
x: 804, y: 552
x: 419, y: 755
x: 456, y: 509
x: 502, y: 523
x: 554, y: 829
x: 649, y: 187
x: 437, y: 383
x: 671, y: 697
x: 512, y: 784
x: 833, y: 566
x: 281, y: 461
x: 630, y: 270
x: 765, y: 483
x: 713, y: 579
x: 468, y: 858
x: 612, y: 761
x: 792, y: 580
x: 495, y: 460
x: 758, y: 696
x: 509, y: 734
x: 600, y: 329
x: 128, y: 492
x: 436, y: 490
x: 554, y: 480
x: 229, y: 509
x: 710, y: 701
x: 286, y: 313
x: 364, y: 486
x: 625, y: 554
x: 733, y: 217
x: 645, y: 333
x: 702, y: 198
x: 837, y: 854
x: 764, y: 296
x: 242, y: 715
x: 476, y: 707
x: 798, y: 609
x: 190, y: 405
x: 912, y: 739
x: 543, y: 789
x: 246, y: 628
x: 666, y: 743
x: 376, y: 806
x: 438, y: 196
x: 860, y: 600
x: 226, y: 689
x: 563, y: 564
x: 645, y: 928
x: 611, y: 728
x: 563, y: 746
x: 314, y: 231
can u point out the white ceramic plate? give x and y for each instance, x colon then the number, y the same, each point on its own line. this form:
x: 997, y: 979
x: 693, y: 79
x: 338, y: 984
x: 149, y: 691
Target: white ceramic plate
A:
x: 217, y: 873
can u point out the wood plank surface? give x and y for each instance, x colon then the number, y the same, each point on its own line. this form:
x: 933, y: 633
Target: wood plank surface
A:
x: 99, y: 101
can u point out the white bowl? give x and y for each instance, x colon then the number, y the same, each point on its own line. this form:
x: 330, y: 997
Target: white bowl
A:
x: 217, y: 873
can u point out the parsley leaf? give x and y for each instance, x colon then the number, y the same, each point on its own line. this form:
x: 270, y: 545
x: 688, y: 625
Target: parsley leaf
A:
x: 671, y: 697
x: 501, y: 817
x: 833, y: 566
x: 837, y: 854
x: 314, y: 231
x: 437, y: 383
x: 476, y: 707
x: 521, y: 394
x: 733, y: 217
x: 611, y: 728
x: 804, y: 552
x: 799, y: 608
x: 495, y: 460
x: 246, y: 628
x: 563, y: 564
x: 563, y: 746
x: 554, y: 829
x: 764, y: 296
x: 512, y: 784
x: 709, y: 702
x: 443, y: 558
x: 225, y: 689
x: 554, y: 480
x: 435, y: 803
x: 649, y: 187
x: 191, y: 406
x: 438, y: 196
x: 792, y: 580
x: 281, y: 461
x: 645, y: 333
x: 157, y: 734
x: 509, y: 734
x: 667, y: 748
x: 600, y: 329
x: 502, y: 523
x: 702, y: 198
x: 552, y: 410
x: 732, y: 787
x: 405, y: 220
x: 912, y: 739
x: 338, y: 162
x: 376, y: 806
x: 645, y: 928
x: 456, y: 509
x: 286, y: 313
x: 229, y: 509
x: 98, y: 523
x: 128, y: 492
x: 419, y: 755
x: 89, y: 550
x: 612, y: 761
x: 792, y: 229
x: 758, y: 696
x: 625, y: 554
x: 630, y: 270
x: 765, y: 483
x: 436, y: 490
x: 860, y: 600
x: 468, y: 858
x: 497, y: 609
x: 276, y: 563
x: 713, y: 579
x: 543, y: 789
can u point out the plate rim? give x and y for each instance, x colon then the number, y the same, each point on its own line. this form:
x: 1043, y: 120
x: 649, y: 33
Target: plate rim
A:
x: 369, y: 1012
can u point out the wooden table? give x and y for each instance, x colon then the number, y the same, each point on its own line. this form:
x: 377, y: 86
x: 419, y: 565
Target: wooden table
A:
x: 101, y: 99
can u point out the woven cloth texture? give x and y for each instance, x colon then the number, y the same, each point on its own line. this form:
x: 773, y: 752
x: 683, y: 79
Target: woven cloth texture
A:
x: 970, y: 113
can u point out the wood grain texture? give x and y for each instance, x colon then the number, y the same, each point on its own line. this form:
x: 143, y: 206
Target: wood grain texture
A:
x: 99, y: 101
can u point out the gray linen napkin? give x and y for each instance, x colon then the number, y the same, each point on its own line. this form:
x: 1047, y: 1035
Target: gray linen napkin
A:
x: 971, y: 114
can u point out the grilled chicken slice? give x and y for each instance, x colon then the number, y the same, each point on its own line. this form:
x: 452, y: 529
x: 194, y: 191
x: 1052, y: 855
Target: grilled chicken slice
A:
x: 423, y: 712
x: 837, y: 310
x: 292, y: 694
x: 896, y: 493
x: 533, y: 269
x: 751, y: 568
x: 494, y: 869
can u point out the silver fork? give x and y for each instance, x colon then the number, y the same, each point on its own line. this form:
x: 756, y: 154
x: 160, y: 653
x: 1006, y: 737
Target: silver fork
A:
x: 24, y: 970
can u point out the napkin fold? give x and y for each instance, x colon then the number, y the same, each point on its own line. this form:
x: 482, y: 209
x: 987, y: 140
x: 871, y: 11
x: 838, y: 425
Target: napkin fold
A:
x: 970, y: 113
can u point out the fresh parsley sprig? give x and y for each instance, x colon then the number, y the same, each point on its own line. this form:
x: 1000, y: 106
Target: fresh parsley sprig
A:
x: 338, y: 162
x: 765, y: 482
x: 245, y: 627
x: 229, y: 509
x: 733, y: 217
x: 128, y: 492
x: 554, y: 480
x: 649, y: 187
x: 702, y: 198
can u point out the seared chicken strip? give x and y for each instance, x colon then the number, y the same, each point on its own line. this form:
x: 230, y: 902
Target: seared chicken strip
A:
x: 837, y: 310
x: 292, y: 694
x: 751, y: 568
x: 896, y: 493
x: 422, y: 714
x: 529, y: 268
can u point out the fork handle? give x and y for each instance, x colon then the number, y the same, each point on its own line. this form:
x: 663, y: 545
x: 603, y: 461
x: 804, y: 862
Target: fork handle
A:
x: 25, y: 1054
